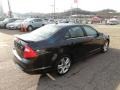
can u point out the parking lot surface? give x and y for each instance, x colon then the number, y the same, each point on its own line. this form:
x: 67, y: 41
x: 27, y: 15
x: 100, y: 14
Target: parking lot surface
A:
x: 98, y: 72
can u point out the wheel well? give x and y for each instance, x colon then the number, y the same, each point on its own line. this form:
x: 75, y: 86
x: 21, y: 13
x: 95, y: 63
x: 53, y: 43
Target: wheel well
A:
x: 30, y: 26
x: 69, y: 55
x: 63, y: 52
x: 61, y: 55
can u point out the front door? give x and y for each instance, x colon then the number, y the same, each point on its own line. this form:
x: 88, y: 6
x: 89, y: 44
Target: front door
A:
x: 77, y: 39
x: 37, y: 23
x: 93, y: 38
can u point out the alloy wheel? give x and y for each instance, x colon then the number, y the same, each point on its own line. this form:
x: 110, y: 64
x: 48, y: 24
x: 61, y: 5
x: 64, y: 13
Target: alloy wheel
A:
x: 64, y: 65
x: 30, y: 28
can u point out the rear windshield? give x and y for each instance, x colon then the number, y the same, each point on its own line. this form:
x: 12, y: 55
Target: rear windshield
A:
x: 45, y: 31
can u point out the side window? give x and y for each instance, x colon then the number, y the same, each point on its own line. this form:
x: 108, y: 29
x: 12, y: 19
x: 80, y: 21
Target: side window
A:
x: 75, y: 32
x: 11, y: 20
x: 37, y: 20
x: 90, y: 31
x: 34, y: 20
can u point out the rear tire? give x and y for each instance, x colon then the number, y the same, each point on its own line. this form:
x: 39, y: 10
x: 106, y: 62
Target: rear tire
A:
x: 63, y: 65
x: 105, y: 47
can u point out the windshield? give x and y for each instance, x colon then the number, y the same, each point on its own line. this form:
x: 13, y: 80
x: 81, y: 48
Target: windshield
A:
x: 45, y: 31
x: 18, y: 20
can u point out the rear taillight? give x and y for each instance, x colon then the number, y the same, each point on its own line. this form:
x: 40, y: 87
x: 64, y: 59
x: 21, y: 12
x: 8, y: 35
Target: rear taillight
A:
x: 29, y: 53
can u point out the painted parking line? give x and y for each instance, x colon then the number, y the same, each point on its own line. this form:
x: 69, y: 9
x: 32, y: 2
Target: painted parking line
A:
x: 3, y: 44
x: 50, y: 76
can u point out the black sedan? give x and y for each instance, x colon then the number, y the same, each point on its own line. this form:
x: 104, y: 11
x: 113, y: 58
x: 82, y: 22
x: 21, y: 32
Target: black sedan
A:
x: 57, y: 46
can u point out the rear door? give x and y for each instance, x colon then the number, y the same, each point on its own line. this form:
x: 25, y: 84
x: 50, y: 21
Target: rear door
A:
x: 93, y: 38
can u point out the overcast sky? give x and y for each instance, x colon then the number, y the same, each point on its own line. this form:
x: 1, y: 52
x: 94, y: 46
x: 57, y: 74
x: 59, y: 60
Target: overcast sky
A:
x: 46, y: 6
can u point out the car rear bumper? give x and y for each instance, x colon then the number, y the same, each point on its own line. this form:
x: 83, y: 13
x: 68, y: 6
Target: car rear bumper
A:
x: 27, y: 65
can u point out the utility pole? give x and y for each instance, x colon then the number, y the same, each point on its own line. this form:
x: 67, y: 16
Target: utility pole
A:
x: 77, y: 13
x: 76, y: 1
x: 9, y: 12
x: 54, y: 8
x: 71, y: 10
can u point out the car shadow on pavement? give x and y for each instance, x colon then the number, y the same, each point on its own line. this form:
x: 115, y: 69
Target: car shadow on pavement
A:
x: 97, y: 72
x: 11, y: 32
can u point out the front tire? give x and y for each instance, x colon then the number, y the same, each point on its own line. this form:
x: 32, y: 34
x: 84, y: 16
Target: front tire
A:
x: 30, y: 28
x: 105, y: 47
x: 63, y: 65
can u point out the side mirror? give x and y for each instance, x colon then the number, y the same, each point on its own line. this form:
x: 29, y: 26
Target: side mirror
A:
x: 67, y: 36
x: 32, y: 21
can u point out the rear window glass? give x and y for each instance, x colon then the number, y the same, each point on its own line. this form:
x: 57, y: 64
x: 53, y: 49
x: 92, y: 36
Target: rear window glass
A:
x: 44, y: 32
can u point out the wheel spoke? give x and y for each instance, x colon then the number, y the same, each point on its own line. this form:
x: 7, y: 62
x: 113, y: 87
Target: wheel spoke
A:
x: 61, y: 71
x: 67, y: 61
x: 65, y: 69
x: 60, y: 66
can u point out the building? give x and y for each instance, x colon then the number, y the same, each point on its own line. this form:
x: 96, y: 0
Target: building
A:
x: 96, y: 20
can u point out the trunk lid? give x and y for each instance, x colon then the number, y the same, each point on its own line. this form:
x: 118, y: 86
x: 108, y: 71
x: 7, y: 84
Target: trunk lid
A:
x: 19, y: 45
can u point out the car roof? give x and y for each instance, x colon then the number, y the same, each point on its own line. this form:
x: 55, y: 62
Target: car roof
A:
x: 63, y: 25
